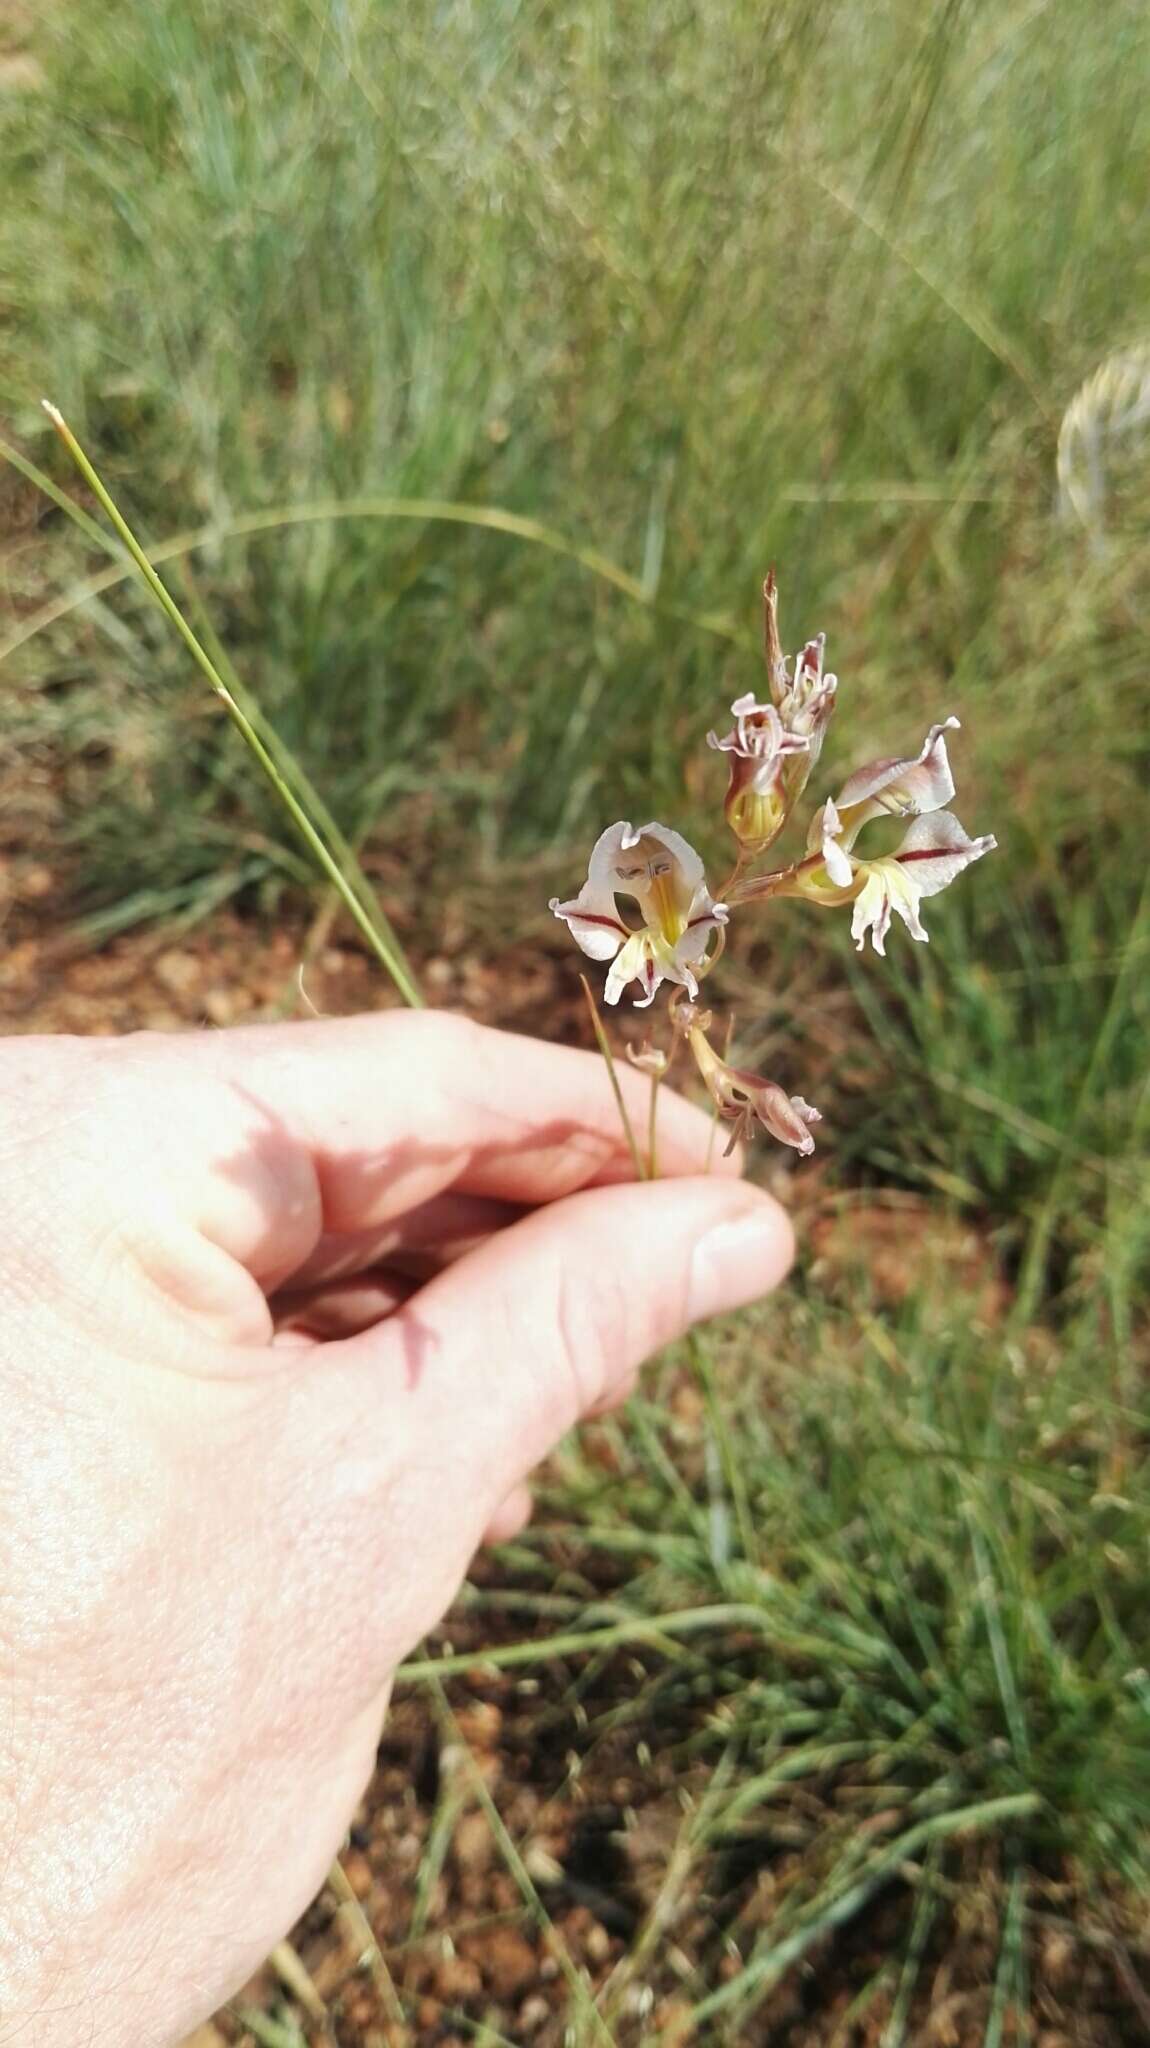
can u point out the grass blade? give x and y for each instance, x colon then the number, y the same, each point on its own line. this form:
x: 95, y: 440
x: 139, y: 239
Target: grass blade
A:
x: 382, y: 941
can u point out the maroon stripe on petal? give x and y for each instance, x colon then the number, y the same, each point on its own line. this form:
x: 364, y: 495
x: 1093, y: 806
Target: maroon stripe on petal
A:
x: 610, y: 924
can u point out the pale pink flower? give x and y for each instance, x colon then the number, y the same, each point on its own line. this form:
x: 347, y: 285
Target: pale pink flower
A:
x: 898, y: 788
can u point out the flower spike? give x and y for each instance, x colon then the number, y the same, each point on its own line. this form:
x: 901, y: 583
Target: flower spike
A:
x: 646, y: 911
x: 759, y: 794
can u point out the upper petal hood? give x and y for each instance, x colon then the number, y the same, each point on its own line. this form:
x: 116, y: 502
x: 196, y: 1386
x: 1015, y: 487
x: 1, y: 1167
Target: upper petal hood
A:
x: 906, y: 788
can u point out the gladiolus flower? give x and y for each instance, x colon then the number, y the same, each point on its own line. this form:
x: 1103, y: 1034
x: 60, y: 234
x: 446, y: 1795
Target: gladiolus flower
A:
x: 894, y: 788
x: 657, y: 870
x: 645, y: 907
x: 934, y: 852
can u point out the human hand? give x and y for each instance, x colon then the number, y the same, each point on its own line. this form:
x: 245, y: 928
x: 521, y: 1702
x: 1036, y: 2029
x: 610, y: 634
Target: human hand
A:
x: 247, y: 1465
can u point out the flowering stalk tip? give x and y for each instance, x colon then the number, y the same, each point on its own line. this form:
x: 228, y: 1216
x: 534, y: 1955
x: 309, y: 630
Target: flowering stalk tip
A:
x: 773, y: 747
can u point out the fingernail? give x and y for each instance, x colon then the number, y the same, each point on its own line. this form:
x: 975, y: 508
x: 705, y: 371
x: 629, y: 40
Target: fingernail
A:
x: 740, y: 1260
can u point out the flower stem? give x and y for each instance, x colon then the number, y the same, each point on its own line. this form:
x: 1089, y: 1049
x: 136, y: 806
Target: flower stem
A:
x: 733, y: 877
x: 756, y: 887
x: 604, y: 1045
x: 652, y: 1129
x: 381, y: 940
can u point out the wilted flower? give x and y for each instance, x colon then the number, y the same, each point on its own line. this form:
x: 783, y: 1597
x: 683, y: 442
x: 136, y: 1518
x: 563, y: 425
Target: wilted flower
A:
x: 657, y: 870
x: 744, y: 1099
x: 649, y: 1059
x: 934, y: 851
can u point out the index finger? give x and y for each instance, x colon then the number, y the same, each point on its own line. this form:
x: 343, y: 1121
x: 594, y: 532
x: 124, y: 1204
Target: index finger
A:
x: 395, y: 1106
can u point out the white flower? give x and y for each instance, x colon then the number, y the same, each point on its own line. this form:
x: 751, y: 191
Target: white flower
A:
x: 662, y: 875
x: 935, y: 850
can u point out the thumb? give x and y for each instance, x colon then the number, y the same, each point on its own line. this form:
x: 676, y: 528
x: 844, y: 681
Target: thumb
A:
x: 550, y: 1320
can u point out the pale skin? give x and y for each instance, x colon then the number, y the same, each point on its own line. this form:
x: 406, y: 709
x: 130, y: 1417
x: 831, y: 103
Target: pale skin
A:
x: 287, y: 1317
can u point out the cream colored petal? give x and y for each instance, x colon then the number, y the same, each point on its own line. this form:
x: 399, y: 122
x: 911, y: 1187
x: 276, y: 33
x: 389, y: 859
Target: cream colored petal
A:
x: 598, y: 891
x: 872, y: 912
x: 629, y: 965
x: 693, y: 944
x: 599, y: 936
x: 935, y: 851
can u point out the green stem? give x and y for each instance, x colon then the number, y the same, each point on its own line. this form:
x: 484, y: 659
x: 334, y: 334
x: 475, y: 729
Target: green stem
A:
x: 383, y: 944
x: 604, y: 1045
x: 652, y: 1129
x: 287, y: 764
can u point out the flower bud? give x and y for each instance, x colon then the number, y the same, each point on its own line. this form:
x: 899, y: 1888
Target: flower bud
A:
x: 763, y: 785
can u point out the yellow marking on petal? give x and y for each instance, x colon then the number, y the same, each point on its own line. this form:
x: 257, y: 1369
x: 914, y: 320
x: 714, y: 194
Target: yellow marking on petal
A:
x: 664, y: 910
x: 819, y: 887
x: 756, y: 820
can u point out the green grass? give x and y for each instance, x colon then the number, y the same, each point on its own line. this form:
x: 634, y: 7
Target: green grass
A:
x: 671, y: 294
x: 942, y: 1622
